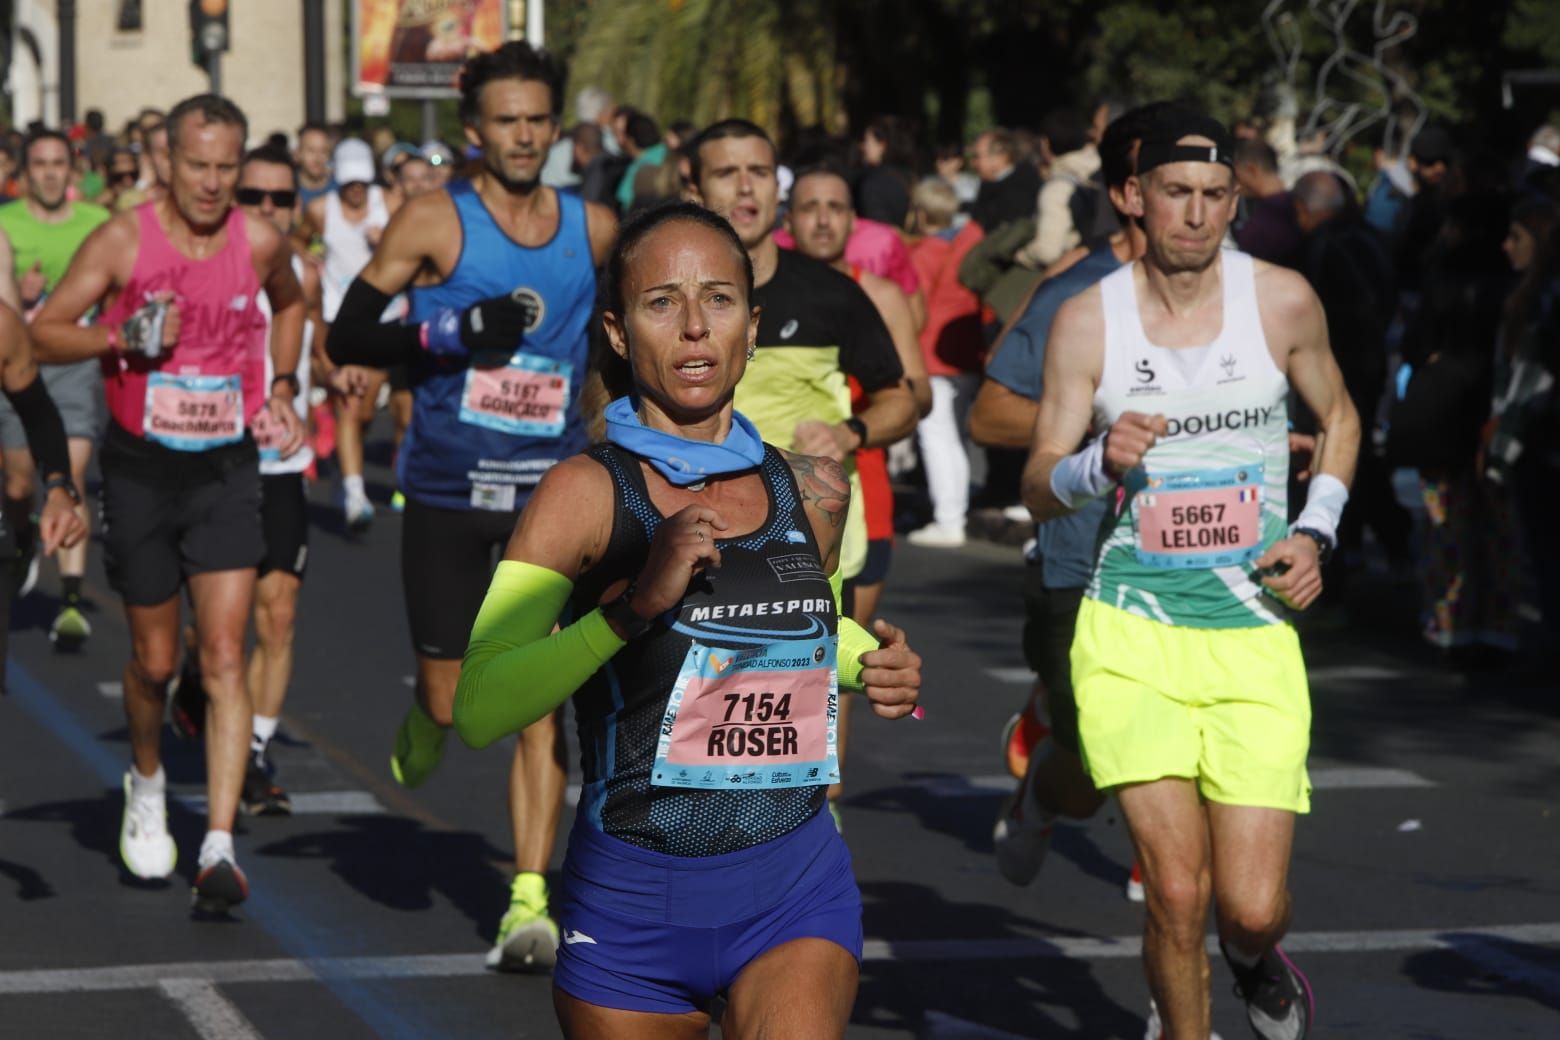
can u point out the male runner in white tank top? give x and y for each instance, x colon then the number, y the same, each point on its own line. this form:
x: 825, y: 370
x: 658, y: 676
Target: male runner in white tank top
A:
x: 1191, y: 690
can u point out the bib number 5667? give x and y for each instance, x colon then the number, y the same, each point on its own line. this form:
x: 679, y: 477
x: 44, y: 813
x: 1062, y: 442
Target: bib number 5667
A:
x: 1186, y: 515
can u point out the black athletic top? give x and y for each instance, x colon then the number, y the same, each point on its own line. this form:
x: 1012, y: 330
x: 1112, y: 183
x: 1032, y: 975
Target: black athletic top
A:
x: 770, y: 586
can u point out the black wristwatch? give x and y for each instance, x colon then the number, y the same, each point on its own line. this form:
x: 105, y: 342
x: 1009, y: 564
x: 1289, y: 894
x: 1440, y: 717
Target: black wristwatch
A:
x: 859, y: 428
x: 1324, y: 544
x: 621, y: 612
x: 290, y: 379
x: 65, y: 484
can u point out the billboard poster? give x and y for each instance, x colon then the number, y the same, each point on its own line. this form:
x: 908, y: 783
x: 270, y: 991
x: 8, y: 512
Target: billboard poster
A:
x: 415, y: 48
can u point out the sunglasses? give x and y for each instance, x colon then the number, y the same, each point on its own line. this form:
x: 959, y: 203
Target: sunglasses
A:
x: 122, y: 176
x: 281, y: 198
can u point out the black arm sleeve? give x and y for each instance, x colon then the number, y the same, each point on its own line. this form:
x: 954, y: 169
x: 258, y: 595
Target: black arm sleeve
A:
x: 358, y: 338
x: 45, y: 430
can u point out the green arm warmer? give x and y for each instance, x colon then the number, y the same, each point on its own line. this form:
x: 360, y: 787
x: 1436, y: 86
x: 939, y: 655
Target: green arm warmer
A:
x: 854, y: 641
x: 515, y: 672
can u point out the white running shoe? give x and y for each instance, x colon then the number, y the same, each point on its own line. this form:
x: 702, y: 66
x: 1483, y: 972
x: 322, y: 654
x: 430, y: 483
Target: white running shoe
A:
x: 937, y: 536
x: 145, y: 845
x: 1134, y: 887
x: 1022, y: 837
x: 359, y: 513
x: 1155, y: 1029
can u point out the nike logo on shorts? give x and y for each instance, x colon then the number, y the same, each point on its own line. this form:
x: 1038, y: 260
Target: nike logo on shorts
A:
x: 572, y: 937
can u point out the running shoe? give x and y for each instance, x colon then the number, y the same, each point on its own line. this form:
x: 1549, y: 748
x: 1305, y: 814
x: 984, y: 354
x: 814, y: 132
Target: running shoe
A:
x: 937, y: 536
x: 1278, y: 997
x: 262, y: 795
x: 1020, y: 735
x: 527, y: 937
x: 398, y: 502
x: 419, y: 746
x: 145, y: 845
x: 1022, y: 837
x: 1135, y: 882
x: 29, y: 576
x: 70, y: 629
x: 187, y: 700
x: 219, y: 887
x: 1155, y: 1028
x: 359, y: 514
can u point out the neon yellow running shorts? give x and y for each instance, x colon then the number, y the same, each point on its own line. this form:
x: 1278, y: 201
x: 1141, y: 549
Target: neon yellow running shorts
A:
x: 1226, y: 707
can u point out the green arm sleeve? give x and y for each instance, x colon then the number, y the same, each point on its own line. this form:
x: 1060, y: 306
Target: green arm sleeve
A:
x: 854, y: 641
x: 514, y: 671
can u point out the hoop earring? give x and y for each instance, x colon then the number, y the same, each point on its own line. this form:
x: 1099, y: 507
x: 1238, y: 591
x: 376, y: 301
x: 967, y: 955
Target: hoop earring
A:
x: 751, y: 350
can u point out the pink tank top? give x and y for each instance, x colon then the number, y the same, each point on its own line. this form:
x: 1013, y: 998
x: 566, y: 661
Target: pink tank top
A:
x: 202, y: 393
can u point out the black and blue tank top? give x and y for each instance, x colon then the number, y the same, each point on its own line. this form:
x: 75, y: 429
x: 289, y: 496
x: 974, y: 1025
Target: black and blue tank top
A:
x: 484, y: 430
x: 768, y: 609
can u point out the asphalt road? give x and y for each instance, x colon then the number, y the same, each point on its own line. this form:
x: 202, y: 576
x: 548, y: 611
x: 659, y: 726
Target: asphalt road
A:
x: 1425, y: 880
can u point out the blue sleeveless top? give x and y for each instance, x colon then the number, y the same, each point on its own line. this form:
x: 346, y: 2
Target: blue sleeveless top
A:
x: 485, y: 429
x: 770, y: 587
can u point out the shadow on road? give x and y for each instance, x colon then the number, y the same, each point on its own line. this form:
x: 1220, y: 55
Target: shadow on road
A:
x: 401, y: 864
x: 1484, y: 965
x: 938, y: 999
x: 969, y: 817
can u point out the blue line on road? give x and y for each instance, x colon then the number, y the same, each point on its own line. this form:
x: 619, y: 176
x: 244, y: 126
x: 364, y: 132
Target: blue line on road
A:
x: 293, y: 922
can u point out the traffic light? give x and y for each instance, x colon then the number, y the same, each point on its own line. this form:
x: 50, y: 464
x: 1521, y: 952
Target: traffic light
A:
x: 208, y: 30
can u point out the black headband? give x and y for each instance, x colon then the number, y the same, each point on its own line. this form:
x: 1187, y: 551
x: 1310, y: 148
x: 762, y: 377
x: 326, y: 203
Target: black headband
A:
x: 1161, y: 152
x: 1161, y: 144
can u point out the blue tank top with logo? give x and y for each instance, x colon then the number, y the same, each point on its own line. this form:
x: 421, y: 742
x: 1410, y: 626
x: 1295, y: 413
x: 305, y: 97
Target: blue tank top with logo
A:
x: 486, y: 428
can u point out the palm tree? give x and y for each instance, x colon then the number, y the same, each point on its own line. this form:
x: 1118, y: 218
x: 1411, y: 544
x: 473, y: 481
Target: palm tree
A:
x: 771, y: 61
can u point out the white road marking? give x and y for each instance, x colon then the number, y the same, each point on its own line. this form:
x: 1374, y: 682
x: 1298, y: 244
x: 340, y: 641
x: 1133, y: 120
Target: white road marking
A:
x: 1323, y: 778
x: 114, y: 689
x: 1354, y: 673
x: 1339, y: 778
x: 305, y: 803
x: 213, y: 1015
x: 1478, y: 942
x: 1011, y: 675
x: 941, y: 1026
x: 954, y: 786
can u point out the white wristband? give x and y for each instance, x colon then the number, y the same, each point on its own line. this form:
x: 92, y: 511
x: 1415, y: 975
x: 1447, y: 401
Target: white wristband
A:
x: 1324, y: 504
x: 1081, y: 476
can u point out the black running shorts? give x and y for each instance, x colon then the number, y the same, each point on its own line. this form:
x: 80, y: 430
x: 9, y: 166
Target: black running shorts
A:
x: 284, y: 520
x: 1050, y: 615
x: 168, y: 515
x: 447, y: 562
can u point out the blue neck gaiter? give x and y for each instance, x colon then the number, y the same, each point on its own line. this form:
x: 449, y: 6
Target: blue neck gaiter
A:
x: 680, y: 461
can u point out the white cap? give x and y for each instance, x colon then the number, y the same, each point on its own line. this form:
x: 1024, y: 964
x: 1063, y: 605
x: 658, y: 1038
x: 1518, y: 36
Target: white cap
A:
x: 353, y: 161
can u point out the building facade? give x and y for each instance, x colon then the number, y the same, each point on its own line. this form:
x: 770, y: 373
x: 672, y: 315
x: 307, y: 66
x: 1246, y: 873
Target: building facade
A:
x: 134, y: 54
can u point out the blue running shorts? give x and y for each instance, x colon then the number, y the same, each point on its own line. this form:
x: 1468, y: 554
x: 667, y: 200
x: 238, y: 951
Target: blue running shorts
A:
x: 643, y: 931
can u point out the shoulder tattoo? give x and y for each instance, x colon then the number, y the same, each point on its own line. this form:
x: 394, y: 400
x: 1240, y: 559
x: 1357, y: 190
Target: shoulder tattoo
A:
x: 823, y: 486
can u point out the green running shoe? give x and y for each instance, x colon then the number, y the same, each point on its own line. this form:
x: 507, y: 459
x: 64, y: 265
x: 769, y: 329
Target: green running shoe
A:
x: 70, y: 629
x: 419, y: 745
x: 527, y: 938
x: 398, y: 502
